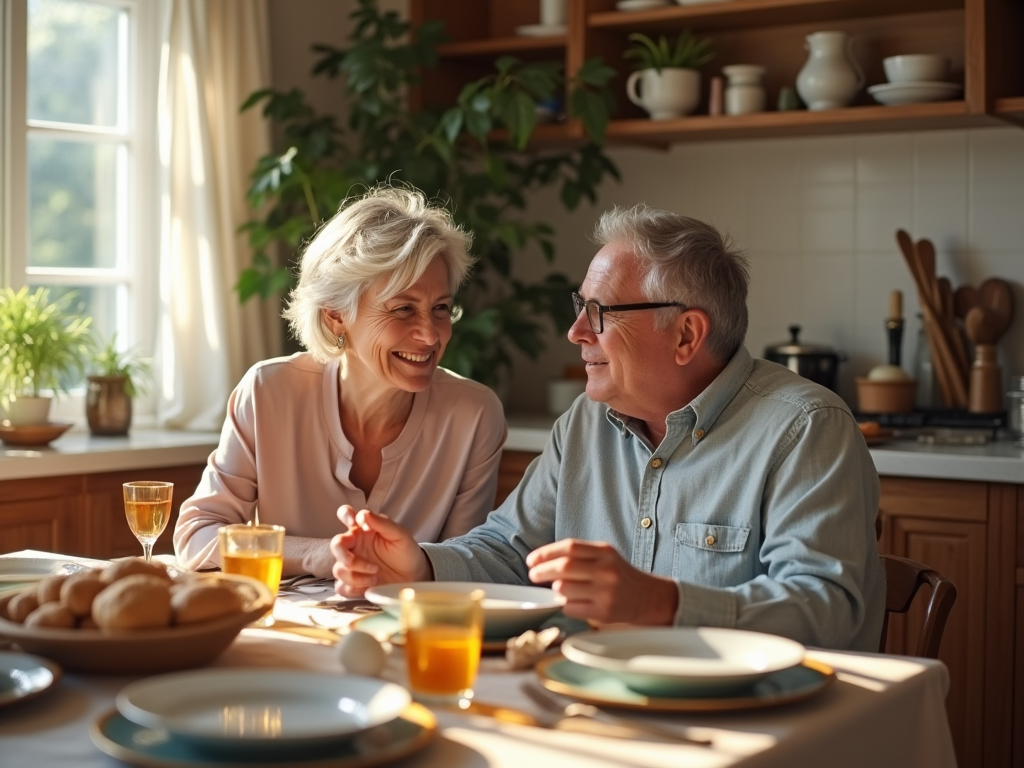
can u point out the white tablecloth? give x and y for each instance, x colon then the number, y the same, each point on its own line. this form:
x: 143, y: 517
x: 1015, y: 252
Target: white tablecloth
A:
x: 882, y: 711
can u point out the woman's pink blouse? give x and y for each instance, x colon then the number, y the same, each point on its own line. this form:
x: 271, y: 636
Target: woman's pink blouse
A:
x: 283, y: 455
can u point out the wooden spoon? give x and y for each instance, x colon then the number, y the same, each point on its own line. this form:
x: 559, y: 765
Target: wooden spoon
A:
x: 981, y: 325
x: 997, y: 297
x: 964, y: 299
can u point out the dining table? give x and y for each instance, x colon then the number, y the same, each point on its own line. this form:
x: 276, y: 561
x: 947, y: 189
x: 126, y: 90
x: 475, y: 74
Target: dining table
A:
x: 879, y: 711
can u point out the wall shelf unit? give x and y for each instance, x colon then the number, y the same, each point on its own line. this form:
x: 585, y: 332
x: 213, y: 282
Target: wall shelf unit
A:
x: 977, y: 36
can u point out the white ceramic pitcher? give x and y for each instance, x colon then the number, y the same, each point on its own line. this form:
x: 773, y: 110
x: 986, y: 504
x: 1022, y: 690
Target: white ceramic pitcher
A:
x: 831, y: 78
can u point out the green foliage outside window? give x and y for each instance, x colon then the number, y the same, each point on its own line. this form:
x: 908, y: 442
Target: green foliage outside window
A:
x: 449, y: 154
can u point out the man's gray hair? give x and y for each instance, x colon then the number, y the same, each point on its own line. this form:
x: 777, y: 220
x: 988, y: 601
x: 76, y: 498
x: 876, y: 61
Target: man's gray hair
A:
x: 387, y: 237
x: 686, y: 261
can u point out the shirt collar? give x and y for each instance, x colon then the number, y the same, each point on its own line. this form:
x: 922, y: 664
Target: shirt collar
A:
x: 701, y: 413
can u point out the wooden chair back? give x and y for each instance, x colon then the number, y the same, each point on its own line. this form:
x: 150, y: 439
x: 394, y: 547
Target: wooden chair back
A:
x: 903, y: 579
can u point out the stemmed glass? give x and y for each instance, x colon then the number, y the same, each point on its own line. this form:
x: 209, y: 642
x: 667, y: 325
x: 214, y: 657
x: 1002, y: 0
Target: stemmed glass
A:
x: 147, y: 505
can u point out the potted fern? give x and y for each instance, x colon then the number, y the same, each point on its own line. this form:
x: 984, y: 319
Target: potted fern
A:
x: 43, y: 348
x: 119, y: 376
x: 666, y: 83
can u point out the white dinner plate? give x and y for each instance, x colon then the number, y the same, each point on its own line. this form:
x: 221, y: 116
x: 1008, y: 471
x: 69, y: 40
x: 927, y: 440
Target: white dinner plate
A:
x: 255, y: 710
x: 23, y: 675
x: 640, y: 5
x: 913, y: 93
x: 541, y: 30
x: 684, y: 661
x: 509, y: 609
x: 23, y: 569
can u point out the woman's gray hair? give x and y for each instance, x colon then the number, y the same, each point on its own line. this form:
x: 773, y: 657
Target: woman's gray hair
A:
x: 686, y: 261
x: 387, y: 237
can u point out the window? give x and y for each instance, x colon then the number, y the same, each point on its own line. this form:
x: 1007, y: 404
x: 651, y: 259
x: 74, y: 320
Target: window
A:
x: 80, y: 202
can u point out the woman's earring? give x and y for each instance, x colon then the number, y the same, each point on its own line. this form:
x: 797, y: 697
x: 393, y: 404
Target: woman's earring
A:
x: 341, y: 342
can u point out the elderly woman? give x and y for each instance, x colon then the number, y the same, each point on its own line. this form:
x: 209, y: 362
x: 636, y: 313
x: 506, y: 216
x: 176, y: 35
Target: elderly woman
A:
x: 364, y: 418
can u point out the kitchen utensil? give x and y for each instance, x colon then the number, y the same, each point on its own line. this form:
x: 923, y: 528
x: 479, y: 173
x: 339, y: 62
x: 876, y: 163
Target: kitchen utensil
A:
x: 894, y: 327
x: 964, y: 298
x: 981, y: 325
x: 816, y: 362
x: 946, y: 306
x: 745, y: 94
x: 985, y: 391
x: 547, y: 701
x: 997, y: 297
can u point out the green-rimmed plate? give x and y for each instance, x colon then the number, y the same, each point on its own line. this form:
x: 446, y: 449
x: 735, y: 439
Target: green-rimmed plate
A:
x: 23, y: 676
x: 152, y: 748
x: 596, y: 686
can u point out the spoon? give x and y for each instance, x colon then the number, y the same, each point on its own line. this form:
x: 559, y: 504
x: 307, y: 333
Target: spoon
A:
x: 981, y: 326
x: 996, y: 296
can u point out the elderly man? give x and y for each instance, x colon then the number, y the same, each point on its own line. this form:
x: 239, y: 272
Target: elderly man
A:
x: 692, y: 486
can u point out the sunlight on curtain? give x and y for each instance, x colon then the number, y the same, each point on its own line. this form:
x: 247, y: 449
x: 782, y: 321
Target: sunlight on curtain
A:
x: 216, y: 52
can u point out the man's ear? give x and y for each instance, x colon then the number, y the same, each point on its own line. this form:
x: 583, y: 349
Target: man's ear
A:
x: 334, y: 321
x: 692, y: 329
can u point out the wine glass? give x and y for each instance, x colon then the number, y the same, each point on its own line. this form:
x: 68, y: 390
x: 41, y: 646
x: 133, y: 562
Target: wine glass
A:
x: 147, y: 505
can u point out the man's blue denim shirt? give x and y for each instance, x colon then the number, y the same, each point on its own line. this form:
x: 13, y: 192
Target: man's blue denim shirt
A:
x: 760, y: 503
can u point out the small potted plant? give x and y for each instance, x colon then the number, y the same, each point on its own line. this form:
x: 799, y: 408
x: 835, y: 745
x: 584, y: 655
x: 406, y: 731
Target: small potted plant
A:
x: 119, y: 376
x: 43, y: 348
x: 666, y: 83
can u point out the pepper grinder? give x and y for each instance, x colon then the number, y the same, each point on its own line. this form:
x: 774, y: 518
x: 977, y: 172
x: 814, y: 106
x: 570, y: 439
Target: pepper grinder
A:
x: 894, y: 327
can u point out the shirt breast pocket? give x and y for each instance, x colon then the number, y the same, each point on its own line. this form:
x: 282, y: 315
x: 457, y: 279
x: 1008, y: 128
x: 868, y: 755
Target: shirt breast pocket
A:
x: 711, y: 554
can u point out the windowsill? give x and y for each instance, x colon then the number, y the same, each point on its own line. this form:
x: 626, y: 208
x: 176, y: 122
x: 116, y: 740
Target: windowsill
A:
x: 78, y: 452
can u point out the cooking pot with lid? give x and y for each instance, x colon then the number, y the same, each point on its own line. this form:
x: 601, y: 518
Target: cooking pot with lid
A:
x: 816, y: 362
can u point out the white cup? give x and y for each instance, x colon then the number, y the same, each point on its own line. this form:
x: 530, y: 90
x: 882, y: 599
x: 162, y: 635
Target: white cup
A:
x: 666, y: 94
x: 552, y: 13
x: 562, y: 393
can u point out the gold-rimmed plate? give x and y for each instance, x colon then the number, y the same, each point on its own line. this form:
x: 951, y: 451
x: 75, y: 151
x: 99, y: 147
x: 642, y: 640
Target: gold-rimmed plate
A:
x: 124, y: 740
x: 603, y: 688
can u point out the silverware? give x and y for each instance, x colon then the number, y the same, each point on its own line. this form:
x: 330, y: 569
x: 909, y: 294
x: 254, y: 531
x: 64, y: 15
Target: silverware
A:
x: 547, y: 701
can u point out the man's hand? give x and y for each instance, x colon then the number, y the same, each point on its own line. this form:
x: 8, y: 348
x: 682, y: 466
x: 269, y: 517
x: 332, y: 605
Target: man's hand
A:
x: 374, y: 551
x: 599, y: 585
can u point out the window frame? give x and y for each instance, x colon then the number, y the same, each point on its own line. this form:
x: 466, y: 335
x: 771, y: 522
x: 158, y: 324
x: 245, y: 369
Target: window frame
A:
x: 137, y: 319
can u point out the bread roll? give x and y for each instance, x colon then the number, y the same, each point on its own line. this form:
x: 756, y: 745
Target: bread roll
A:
x: 51, y: 615
x: 132, y: 566
x: 134, y: 602
x: 20, y: 606
x: 197, y: 602
x: 79, y: 590
x: 48, y: 589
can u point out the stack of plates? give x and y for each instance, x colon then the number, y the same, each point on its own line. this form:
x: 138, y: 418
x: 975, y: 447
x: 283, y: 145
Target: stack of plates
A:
x: 683, y: 669
x: 275, y: 717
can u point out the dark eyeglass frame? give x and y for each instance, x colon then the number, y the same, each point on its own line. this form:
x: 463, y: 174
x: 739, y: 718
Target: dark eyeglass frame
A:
x: 580, y: 304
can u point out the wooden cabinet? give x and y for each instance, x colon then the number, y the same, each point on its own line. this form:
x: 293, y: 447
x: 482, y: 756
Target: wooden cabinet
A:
x: 83, y: 514
x: 978, y: 36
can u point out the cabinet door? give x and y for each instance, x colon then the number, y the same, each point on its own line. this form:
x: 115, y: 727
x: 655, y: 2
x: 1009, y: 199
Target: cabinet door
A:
x: 109, y: 534
x: 943, y: 525
x: 41, y: 514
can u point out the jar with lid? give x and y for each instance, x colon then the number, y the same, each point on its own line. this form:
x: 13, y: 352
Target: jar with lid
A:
x: 1015, y: 406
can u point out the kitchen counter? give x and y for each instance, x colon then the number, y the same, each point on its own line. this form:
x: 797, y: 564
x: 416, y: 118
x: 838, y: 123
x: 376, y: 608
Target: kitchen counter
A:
x: 81, y: 453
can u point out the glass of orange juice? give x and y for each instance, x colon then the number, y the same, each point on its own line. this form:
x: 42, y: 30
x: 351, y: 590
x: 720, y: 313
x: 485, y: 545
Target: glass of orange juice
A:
x: 443, y: 634
x: 256, y: 551
x: 147, y: 505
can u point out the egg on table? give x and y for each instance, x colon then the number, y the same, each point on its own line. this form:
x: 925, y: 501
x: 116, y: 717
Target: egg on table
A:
x: 361, y: 654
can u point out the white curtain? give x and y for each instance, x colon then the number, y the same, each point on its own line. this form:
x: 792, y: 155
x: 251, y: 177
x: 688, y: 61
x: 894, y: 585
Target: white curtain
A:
x: 215, y: 53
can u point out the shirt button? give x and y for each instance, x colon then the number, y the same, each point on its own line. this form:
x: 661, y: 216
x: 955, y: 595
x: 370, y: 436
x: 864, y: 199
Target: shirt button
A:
x: 710, y: 540
x: 656, y: 463
x: 646, y: 522
x: 699, y: 434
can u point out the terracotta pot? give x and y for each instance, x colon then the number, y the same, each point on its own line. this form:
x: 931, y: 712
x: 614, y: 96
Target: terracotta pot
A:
x: 107, y: 406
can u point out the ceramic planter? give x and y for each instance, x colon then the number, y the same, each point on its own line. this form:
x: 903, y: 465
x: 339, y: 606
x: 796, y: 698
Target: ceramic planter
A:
x: 666, y: 94
x: 107, y: 406
x: 24, y: 410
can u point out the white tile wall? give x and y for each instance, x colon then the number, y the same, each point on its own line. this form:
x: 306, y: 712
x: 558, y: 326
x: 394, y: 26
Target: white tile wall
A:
x: 817, y: 218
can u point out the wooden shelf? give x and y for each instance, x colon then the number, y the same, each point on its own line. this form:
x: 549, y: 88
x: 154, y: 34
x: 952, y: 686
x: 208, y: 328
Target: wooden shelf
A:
x: 491, y: 47
x: 760, y: 13
x: 1012, y: 108
x: 868, y: 119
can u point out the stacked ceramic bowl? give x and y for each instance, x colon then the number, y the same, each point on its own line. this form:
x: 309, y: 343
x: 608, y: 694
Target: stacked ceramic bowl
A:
x: 914, y: 79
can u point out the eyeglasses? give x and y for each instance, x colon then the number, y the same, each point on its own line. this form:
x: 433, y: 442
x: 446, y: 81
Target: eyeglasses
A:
x: 595, y: 311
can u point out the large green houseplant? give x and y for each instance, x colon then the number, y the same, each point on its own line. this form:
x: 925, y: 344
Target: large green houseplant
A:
x: 453, y: 156
x: 43, y: 346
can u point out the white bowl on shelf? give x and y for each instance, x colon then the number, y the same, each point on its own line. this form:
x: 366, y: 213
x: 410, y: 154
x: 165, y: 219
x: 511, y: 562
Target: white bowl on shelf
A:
x: 916, y: 68
x: 913, y: 93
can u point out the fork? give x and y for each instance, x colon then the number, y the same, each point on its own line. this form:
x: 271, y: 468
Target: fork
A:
x: 547, y: 701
